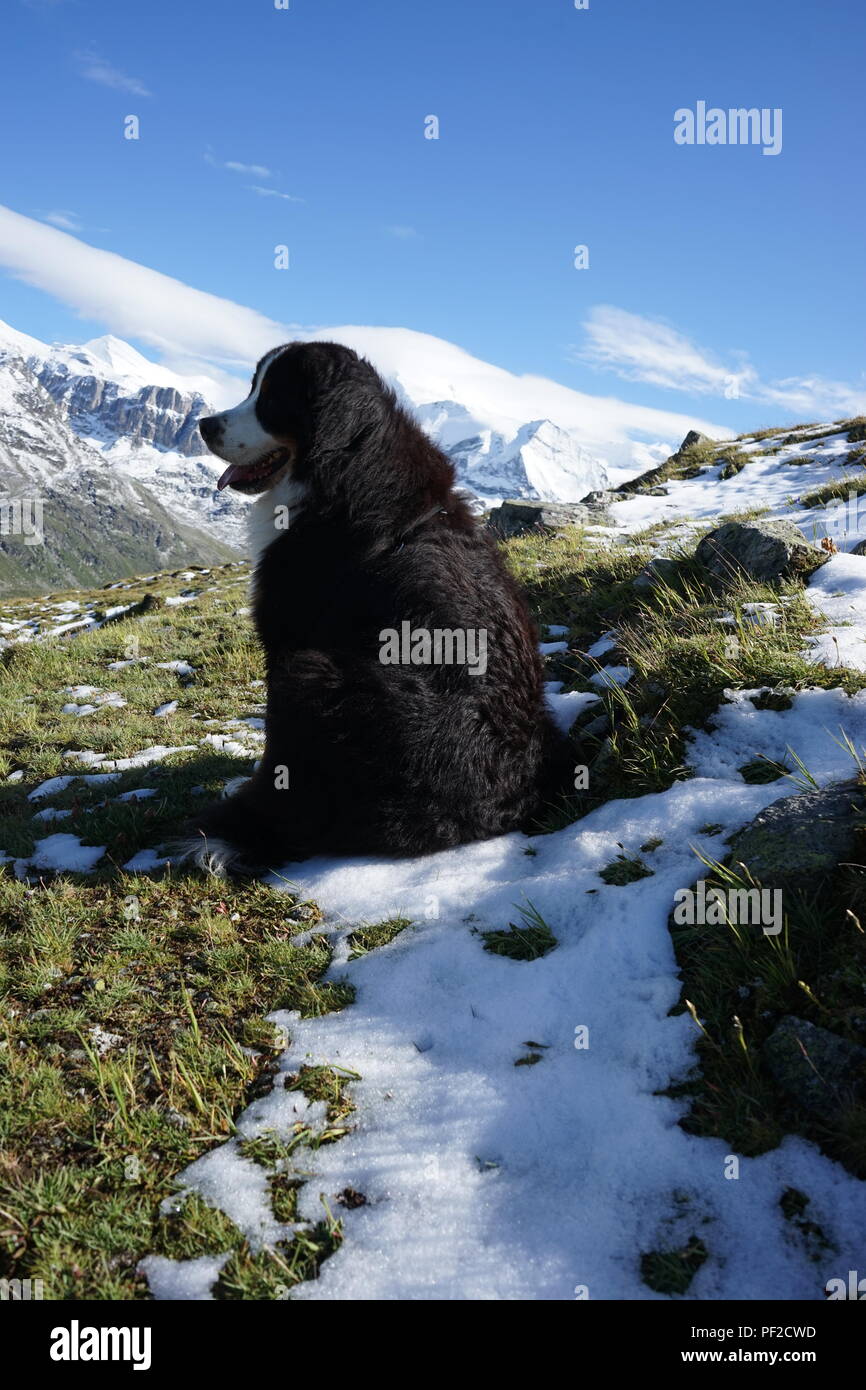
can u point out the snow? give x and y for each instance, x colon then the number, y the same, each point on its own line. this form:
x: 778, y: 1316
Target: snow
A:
x: 838, y: 589
x: 146, y: 861
x: 566, y: 706
x: 181, y: 668
x: 111, y: 699
x: 604, y: 644
x: 775, y: 481
x: 489, y: 1181
x: 63, y: 853
x: 188, y: 1279
x: 612, y: 675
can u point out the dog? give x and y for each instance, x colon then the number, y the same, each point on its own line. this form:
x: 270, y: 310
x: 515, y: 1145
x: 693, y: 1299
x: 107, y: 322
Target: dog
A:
x: 382, y: 736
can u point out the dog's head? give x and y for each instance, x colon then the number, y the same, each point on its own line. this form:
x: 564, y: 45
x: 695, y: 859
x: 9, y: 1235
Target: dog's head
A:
x: 268, y: 435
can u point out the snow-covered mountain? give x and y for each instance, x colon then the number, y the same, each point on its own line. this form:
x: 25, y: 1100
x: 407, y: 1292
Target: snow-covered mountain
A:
x: 541, y: 461
x: 68, y: 517
x: 508, y: 435
x: 140, y: 420
x: 143, y: 419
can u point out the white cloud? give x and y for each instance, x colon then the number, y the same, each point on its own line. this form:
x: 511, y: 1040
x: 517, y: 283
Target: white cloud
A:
x: 67, y: 221
x: 643, y: 349
x: 402, y: 233
x: 195, y: 332
x: 272, y: 193
x: 97, y: 69
x: 259, y: 170
x: 133, y: 300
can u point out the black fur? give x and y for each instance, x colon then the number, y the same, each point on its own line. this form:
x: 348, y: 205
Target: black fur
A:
x: 393, y: 759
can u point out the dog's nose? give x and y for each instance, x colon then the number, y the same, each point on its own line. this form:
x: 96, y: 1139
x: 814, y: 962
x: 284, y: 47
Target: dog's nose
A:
x: 208, y: 428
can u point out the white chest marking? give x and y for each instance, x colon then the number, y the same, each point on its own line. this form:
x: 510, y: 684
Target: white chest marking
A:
x: 272, y: 514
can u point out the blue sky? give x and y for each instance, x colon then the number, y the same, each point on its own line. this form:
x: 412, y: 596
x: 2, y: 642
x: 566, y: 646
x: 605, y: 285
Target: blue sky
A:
x: 556, y: 128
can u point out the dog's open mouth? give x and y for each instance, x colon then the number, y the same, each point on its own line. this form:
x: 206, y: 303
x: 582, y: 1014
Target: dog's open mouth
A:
x: 254, y: 477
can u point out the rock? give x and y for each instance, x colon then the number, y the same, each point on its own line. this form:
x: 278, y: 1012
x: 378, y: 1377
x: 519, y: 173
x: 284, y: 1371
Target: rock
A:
x: 818, y: 1069
x: 859, y: 548
x: 600, y: 498
x: 516, y: 517
x: 763, y: 550
x: 159, y: 415
x: 798, y: 842
x: 658, y: 492
x: 694, y: 437
x: 659, y: 571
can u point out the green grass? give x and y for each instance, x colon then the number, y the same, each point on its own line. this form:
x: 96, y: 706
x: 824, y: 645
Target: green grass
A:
x: 672, y: 1271
x: 370, y: 937
x: 624, y: 870
x: 530, y: 940
x: 682, y: 656
x: 737, y: 984
x: 834, y: 492
x: 134, y: 1022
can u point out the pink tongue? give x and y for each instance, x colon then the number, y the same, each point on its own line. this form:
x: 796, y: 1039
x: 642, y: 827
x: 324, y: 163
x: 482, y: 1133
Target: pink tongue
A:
x: 233, y: 471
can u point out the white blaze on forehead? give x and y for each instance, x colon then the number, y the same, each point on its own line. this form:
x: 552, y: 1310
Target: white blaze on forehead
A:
x: 243, y: 438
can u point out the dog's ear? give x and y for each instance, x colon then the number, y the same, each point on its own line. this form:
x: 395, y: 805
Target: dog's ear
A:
x: 318, y: 395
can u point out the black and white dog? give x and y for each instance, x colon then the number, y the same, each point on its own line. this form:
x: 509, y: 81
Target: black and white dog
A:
x: 405, y: 710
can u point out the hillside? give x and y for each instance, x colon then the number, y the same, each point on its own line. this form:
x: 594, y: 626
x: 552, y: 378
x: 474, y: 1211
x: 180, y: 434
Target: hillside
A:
x: 68, y: 516
x: 498, y: 1072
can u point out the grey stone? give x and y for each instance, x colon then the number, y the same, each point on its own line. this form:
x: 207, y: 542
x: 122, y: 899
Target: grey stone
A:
x: 602, y: 498
x: 859, y: 548
x: 694, y: 437
x: 658, y: 492
x: 799, y: 842
x: 659, y: 571
x: 517, y: 516
x: 819, y: 1070
x: 763, y: 550
x: 599, y: 727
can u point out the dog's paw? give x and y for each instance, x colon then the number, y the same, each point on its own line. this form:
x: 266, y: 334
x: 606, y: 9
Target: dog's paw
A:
x: 213, y: 855
x: 232, y: 786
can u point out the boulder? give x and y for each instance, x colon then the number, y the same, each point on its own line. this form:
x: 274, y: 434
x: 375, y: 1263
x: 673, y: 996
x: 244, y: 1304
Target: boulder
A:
x: 600, y: 498
x: 819, y: 1070
x: 694, y: 437
x: 516, y: 517
x: 798, y: 842
x: 659, y: 571
x: 763, y: 550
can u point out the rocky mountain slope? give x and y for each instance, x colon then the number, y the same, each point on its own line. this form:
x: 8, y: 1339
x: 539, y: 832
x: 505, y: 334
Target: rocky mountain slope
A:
x: 67, y: 517
x: 142, y: 419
